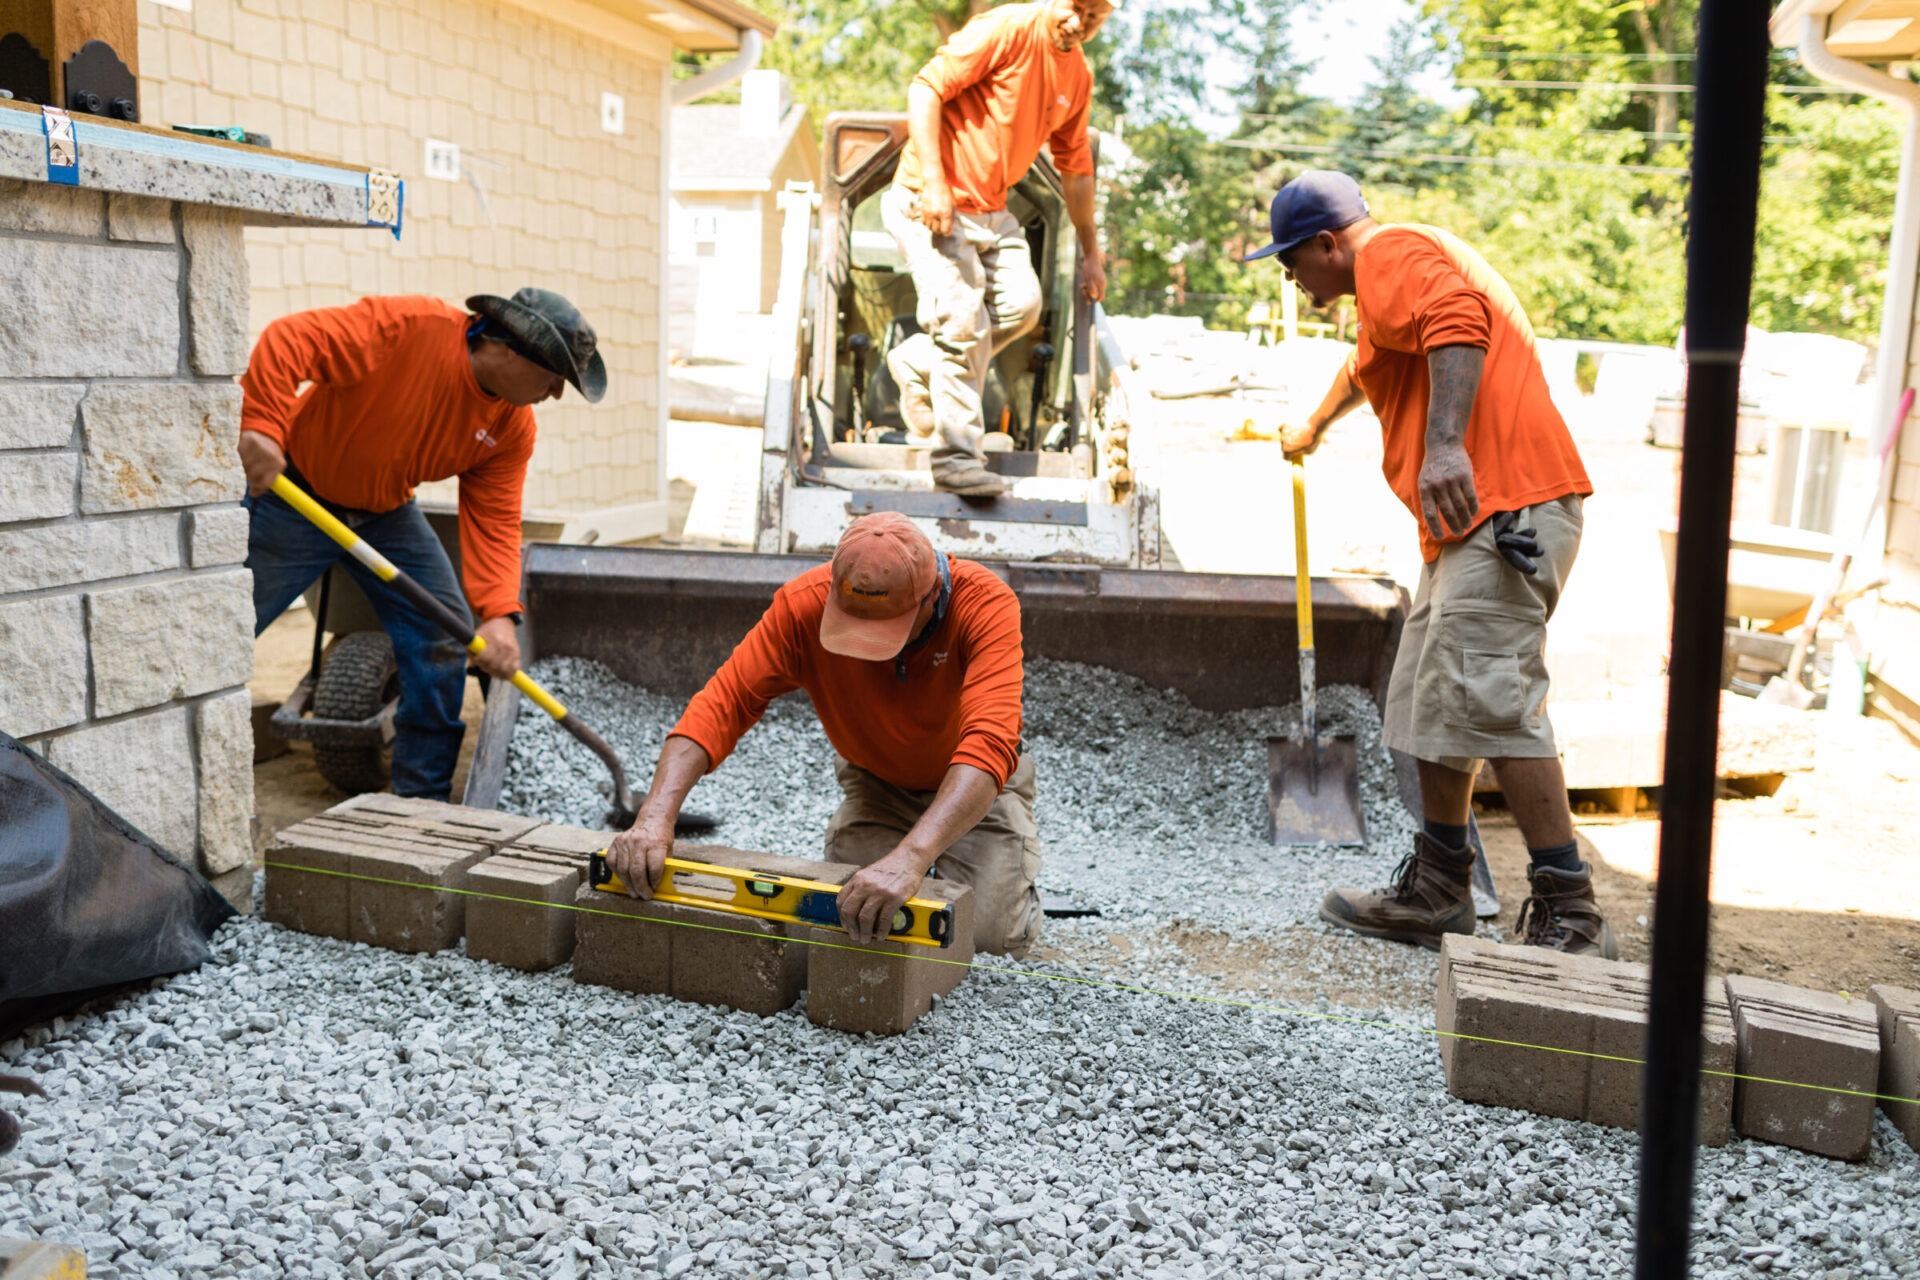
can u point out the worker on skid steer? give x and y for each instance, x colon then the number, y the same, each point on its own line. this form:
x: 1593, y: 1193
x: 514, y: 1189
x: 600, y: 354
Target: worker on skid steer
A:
x: 913, y: 663
x: 977, y: 113
x: 1476, y: 450
x: 407, y: 390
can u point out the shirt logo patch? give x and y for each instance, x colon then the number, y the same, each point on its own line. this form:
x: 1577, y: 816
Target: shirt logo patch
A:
x: 939, y: 658
x: 486, y: 439
x: 1062, y: 99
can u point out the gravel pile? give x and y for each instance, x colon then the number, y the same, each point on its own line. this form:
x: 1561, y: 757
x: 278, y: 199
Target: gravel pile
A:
x: 305, y: 1107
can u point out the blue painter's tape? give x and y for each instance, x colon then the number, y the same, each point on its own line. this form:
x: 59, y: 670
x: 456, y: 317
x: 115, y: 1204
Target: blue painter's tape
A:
x: 63, y: 148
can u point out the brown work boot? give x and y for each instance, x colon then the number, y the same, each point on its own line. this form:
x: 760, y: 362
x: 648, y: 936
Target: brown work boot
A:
x: 1430, y: 897
x: 973, y: 481
x: 1563, y: 915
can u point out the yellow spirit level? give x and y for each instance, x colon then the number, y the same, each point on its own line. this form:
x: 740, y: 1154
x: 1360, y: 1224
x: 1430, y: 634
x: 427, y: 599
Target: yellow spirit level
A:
x: 767, y: 896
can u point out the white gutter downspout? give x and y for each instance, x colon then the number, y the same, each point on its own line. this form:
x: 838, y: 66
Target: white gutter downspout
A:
x: 1903, y: 251
x: 726, y: 73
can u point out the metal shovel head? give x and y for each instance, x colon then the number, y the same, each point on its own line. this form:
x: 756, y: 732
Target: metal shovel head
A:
x: 1301, y: 812
x: 1781, y: 692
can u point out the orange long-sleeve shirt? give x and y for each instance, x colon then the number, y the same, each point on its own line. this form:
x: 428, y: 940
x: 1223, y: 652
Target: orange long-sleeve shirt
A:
x: 1417, y: 289
x: 960, y: 702
x: 1006, y: 91
x: 394, y: 404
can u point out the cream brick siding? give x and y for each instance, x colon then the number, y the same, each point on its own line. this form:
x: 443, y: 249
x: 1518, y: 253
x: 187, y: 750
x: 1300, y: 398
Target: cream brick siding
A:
x: 546, y: 197
x: 1896, y: 637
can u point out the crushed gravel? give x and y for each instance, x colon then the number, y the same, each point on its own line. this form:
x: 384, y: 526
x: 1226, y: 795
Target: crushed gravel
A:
x: 305, y: 1107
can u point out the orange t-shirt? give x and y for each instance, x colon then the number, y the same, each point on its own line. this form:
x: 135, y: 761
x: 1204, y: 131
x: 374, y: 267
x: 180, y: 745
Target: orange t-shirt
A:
x: 1417, y: 289
x: 1006, y: 90
x: 960, y: 702
x: 394, y: 404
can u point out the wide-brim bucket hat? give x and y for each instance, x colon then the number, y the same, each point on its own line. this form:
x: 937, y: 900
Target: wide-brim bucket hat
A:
x: 553, y: 332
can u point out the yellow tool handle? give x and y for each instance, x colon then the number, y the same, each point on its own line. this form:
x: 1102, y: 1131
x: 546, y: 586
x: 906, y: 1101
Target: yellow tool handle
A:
x: 360, y: 549
x: 1303, y: 584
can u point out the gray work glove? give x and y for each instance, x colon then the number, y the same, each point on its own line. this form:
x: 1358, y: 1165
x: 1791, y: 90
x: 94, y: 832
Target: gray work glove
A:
x: 1519, y: 547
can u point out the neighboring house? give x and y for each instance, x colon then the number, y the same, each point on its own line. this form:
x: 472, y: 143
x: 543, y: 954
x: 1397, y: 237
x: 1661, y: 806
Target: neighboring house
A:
x: 545, y: 125
x: 729, y: 163
x: 1852, y: 43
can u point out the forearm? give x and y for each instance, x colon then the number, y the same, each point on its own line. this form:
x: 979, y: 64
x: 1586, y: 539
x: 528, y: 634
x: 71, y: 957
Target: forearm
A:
x: 923, y: 129
x: 1080, y: 191
x: 682, y: 763
x: 1454, y: 374
x: 964, y: 797
x: 1342, y: 398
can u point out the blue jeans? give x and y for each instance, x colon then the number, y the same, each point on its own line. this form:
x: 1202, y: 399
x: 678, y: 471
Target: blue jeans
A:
x: 288, y: 555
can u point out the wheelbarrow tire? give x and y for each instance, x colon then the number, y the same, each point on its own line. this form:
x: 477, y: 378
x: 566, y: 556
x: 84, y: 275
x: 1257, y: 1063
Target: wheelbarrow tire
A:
x: 357, y: 679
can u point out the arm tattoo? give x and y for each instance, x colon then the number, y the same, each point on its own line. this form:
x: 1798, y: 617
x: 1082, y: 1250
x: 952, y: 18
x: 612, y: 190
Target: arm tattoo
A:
x: 1455, y: 376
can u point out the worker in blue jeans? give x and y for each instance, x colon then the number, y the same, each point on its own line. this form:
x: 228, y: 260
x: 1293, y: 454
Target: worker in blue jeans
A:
x: 399, y: 392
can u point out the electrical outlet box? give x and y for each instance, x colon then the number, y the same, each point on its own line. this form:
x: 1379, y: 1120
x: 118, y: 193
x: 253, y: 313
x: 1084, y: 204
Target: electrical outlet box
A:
x: 613, y: 113
x: 442, y: 160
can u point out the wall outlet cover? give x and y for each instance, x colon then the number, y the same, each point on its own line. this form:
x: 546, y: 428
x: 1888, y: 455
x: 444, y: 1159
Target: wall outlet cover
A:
x: 442, y: 160
x: 613, y: 113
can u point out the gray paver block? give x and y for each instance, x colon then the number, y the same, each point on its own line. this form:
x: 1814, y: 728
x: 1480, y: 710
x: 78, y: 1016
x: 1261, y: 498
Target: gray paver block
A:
x: 1899, y: 1010
x: 1805, y: 1038
x: 885, y: 988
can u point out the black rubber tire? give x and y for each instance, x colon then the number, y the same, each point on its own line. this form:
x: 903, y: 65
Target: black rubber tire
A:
x: 357, y: 678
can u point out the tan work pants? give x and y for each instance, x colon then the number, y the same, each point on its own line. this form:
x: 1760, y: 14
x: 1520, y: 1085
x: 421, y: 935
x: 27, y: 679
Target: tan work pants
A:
x: 999, y: 859
x: 978, y: 292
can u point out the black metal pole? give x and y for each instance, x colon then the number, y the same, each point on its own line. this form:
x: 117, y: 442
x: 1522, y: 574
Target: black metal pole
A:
x: 1729, y: 113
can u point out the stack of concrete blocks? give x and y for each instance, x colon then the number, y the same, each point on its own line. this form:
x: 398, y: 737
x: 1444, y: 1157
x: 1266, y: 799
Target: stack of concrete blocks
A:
x: 1802, y: 1038
x: 1899, y: 1011
x: 1497, y: 1003
x: 540, y: 872
x: 761, y: 966
x: 384, y: 870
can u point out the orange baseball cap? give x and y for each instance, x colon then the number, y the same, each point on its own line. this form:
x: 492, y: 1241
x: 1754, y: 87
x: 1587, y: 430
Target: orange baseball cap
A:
x: 883, y: 569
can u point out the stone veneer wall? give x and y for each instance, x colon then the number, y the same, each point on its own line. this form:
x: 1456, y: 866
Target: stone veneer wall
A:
x: 126, y: 617
x: 547, y: 198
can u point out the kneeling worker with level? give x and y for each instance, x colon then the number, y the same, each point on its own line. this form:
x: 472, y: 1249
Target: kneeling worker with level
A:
x: 913, y: 662
x: 1477, y: 451
x: 407, y: 390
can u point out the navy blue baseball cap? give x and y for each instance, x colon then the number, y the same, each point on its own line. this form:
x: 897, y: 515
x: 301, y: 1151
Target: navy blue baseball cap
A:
x: 1318, y: 200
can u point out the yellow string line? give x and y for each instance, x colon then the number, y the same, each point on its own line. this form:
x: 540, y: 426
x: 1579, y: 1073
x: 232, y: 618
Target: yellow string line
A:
x: 919, y: 956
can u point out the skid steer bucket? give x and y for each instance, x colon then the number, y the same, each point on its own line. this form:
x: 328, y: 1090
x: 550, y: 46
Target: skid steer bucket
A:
x: 666, y: 619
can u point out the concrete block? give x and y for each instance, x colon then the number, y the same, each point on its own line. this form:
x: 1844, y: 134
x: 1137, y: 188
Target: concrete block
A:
x: 696, y: 954
x: 36, y: 486
x: 1899, y: 1011
x: 236, y: 886
x: 163, y: 444
x: 159, y: 641
x: 39, y: 415
x: 487, y: 826
x: 67, y: 554
x: 216, y: 290
x: 223, y: 740
x: 883, y: 989
x: 307, y: 889
x: 142, y: 769
x: 1805, y: 1037
x: 553, y: 840
x: 217, y: 536
x: 535, y: 936
x: 46, y: 208
x: 144, y: 219
x: 43, y: 651
x: 396, y: 905
x: 1588, y: 1019
x: 75, y: 310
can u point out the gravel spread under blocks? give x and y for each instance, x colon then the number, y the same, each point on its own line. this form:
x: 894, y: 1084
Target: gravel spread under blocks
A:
x: 1899, y: 1010
x: 1579, y: 1005
x: 1808, y: 1037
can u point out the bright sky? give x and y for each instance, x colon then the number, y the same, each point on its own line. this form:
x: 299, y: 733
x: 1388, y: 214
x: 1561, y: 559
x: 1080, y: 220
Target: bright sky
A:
x: 1342, y: 37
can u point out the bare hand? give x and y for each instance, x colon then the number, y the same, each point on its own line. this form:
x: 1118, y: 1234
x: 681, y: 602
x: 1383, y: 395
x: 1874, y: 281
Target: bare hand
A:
x: 1093, y: 275
x: 262, y: 459
x: 501, y: 658
x: 936, y: 206
x: 1446, y: 492
x: 639, y: 855
x: 869, y: 900
x: 1299, y: 441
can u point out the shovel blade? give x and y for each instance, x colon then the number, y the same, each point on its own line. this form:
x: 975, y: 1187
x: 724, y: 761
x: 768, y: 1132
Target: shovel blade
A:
x: 1780, y: 692
x: 1300, y: 812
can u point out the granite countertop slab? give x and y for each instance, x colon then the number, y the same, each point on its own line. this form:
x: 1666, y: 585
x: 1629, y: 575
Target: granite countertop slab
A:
x: 269, y: 188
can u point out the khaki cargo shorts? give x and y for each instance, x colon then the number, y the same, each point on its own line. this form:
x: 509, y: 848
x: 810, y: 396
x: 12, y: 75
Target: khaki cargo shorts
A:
x: 999, y: 858
x: 1470, y: 679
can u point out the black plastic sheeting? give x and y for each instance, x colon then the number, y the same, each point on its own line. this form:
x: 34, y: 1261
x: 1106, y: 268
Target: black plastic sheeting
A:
x: 87, y: 903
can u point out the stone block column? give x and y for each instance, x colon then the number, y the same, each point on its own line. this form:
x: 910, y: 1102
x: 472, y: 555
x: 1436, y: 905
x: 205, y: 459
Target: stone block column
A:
x: 126, y: 611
